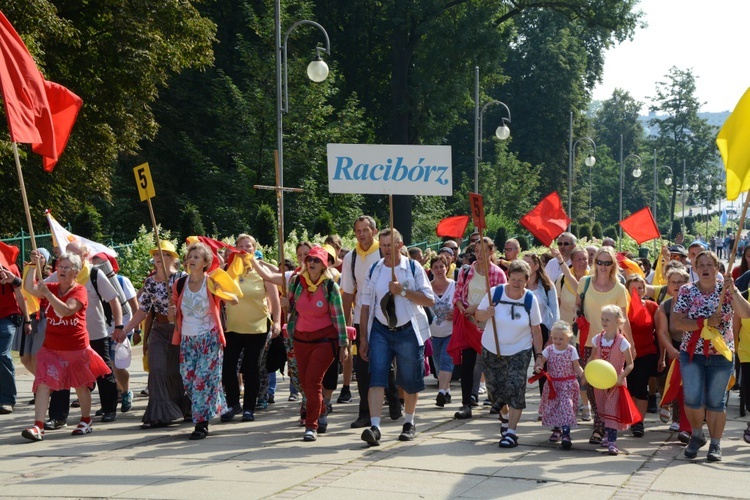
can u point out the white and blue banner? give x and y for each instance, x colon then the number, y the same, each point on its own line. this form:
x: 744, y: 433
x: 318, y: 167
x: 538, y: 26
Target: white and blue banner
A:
x: 390, y: 169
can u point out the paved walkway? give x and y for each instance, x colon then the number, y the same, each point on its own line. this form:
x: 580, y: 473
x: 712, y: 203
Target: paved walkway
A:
x: 267, y: 458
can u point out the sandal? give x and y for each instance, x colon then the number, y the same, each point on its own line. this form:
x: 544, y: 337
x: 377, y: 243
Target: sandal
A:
x: 556, y: 435
x: 200, y: 432
x: 665, y: 415
x: 596, y: 438
x: 566, y: 442
x: 83, y: 428
x: 613, y: 449
x: 746, y: 434
x: 33, y: 433
x: 509, y: 441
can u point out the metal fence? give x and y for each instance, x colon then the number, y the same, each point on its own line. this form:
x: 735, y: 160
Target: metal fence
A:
x: 22, y: 240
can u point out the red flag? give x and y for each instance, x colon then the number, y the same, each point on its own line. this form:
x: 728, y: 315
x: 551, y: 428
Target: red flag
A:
x: 453, y: 227
x: 547, y: 220
x: 33, y: 106
x: 64, y: 106
x: 214, y: 245
x: 8, y: 256
x: 641, y: 226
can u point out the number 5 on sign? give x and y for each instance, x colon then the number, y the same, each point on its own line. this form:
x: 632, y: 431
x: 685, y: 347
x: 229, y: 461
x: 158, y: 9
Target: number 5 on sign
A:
x: 143, y: 181
x: 477, y: 210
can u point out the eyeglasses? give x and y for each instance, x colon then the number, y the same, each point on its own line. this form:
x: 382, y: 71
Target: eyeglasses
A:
x: 509, y: 249
x: 564, y: 243
x: 313, y: 260
x: 605, y: 263
x: 65, y: 268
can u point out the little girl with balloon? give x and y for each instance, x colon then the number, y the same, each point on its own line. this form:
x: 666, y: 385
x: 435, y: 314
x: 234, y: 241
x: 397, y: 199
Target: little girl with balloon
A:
x: 561, y: 394
x: 610, y: 348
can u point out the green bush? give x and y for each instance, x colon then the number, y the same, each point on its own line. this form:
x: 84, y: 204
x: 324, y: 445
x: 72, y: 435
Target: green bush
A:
x: 610, y: 232
x: 584, y: 231
x: 191, y: 222
x: 596, y: 230
x: 265, y: 225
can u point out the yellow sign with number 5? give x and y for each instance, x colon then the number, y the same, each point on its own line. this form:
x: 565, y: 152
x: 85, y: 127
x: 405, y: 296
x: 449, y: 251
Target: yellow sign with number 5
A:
x: 143, y: 181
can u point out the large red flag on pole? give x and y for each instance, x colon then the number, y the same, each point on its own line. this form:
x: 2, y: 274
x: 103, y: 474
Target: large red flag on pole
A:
x: 39, y: 112
x: 641, y: 226
x: 547, y: 220
x: 452, y: 227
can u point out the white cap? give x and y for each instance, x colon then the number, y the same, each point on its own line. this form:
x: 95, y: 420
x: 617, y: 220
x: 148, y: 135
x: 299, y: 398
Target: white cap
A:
x: 123, y: 355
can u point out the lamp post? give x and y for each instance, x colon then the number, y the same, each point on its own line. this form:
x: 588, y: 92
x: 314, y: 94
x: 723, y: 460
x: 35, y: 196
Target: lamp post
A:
x: 590, y: 161
x: 502, y: 132
x: 622, y: 180
x: 637, y: 172
x: 317, y: 71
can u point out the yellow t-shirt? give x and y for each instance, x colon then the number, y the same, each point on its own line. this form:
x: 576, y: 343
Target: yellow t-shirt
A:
x: 595, y: 300
x: 251, y: 314
x: 567, y: 295
x: 743, y: 344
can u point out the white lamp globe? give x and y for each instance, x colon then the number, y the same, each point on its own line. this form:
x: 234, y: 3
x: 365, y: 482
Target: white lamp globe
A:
x: 590, y: 161
x: 502, y: 132
x: 317, y: 70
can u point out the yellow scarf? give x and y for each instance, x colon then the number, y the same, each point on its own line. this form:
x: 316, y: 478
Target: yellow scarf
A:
x: 717, y: 341
x: 312, y: 287
x: 240, y: 265
x: 84, y: 274
x: 659, y: 274
x: 32, y: 302
x: 364, y: 253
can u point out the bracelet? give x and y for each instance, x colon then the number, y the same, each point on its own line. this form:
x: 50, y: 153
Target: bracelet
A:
x: 119, y: 327
x: 539, y: 354
x: 27, y: 322
x: 137, y: 331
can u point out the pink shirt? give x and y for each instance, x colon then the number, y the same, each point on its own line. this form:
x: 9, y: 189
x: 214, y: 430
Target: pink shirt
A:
x: 313, y: 311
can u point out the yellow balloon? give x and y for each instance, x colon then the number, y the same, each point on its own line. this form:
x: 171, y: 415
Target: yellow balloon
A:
x: 600, y: 374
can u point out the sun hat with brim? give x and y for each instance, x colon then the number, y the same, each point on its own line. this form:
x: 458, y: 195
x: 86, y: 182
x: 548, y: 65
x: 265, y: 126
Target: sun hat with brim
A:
x: 166, y: 247
x: 331, y: 252
x: 319, y: 253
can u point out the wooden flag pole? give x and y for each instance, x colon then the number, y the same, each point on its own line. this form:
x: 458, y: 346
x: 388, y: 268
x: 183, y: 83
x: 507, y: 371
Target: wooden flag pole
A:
x: 393, y: 243
x: 487, y: 264
x: 158, y: 246
x: 280, y: 190
x: 26, y: 205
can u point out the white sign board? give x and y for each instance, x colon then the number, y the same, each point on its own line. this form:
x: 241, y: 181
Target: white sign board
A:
x: 390, y: 169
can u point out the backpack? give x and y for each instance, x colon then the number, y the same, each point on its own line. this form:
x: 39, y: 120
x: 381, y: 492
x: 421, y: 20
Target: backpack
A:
x: 528, y: 299
x: 105, y: 305
x: 354, y: 263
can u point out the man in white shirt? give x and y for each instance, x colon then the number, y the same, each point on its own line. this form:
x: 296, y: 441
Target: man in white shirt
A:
x: 396, y: 332
x: 566, y: 242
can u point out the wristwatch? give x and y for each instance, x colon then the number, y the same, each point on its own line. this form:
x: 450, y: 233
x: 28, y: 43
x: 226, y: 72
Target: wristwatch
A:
x: 403, y: 292
x: 119, y: 327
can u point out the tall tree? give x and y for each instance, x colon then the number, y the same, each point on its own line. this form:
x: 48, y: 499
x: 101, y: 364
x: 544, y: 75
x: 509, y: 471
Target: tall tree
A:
x: 684, y: 138
x: 116, y: 56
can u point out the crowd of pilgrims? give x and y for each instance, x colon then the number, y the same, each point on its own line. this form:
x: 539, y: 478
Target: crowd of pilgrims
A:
x: 384, y: 317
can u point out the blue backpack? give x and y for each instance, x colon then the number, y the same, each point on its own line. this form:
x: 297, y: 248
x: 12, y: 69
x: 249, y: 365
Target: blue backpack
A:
x: 528, y: 299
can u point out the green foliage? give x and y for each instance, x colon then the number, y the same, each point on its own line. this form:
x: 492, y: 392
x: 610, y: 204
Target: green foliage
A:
x: 610, y: 232
x: 191, y: 222
x: 134, y: 259
x: 324, y: 224
x: 596, y: 231
x: 88, y: 223
x: 523, y: 242
x: 501, y: 236
x: 676, y: 229
x: 584, y: 231
x: 266, y: 223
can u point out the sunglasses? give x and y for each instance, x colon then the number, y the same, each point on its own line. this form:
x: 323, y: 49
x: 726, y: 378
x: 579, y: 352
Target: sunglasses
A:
x: 313, y: 260
x: 605, y: 263
x: 506, y: 249
x: 564, y: 243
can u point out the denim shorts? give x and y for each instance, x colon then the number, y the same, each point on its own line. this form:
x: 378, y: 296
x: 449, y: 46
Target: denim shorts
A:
x: 441, y: 358
x: 704, y: 381
x: 384, y: 345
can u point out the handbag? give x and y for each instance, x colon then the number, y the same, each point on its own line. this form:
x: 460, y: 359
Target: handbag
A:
x: 430, y: 314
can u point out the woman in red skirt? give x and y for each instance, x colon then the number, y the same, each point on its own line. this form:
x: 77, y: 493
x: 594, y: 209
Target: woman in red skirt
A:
x: 66, y: 359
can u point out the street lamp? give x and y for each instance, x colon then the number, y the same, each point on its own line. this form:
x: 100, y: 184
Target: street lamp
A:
x: 622, y: 180
x: 502, y: 132
x: 317, y: 71
x: 637, y: 172
x: 590, y: 161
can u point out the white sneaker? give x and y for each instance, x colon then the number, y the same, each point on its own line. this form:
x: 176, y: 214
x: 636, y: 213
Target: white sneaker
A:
x: 482, y: 388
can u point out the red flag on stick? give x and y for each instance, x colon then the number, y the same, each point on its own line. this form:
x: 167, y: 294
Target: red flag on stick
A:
x: 547, y: 220
x: 641, y: 226
x: 8, y: 255
x: 39, y: 112
x: 452, y: 227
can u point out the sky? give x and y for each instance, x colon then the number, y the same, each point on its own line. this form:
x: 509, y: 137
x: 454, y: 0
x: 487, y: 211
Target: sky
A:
x: 709, y: 37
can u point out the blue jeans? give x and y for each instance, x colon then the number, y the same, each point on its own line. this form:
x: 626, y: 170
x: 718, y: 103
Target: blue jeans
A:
x: 704, y: 381
x: 7, y: 371
x: 441, y: 358
x: 272, y: 384
x: 384, y: 345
